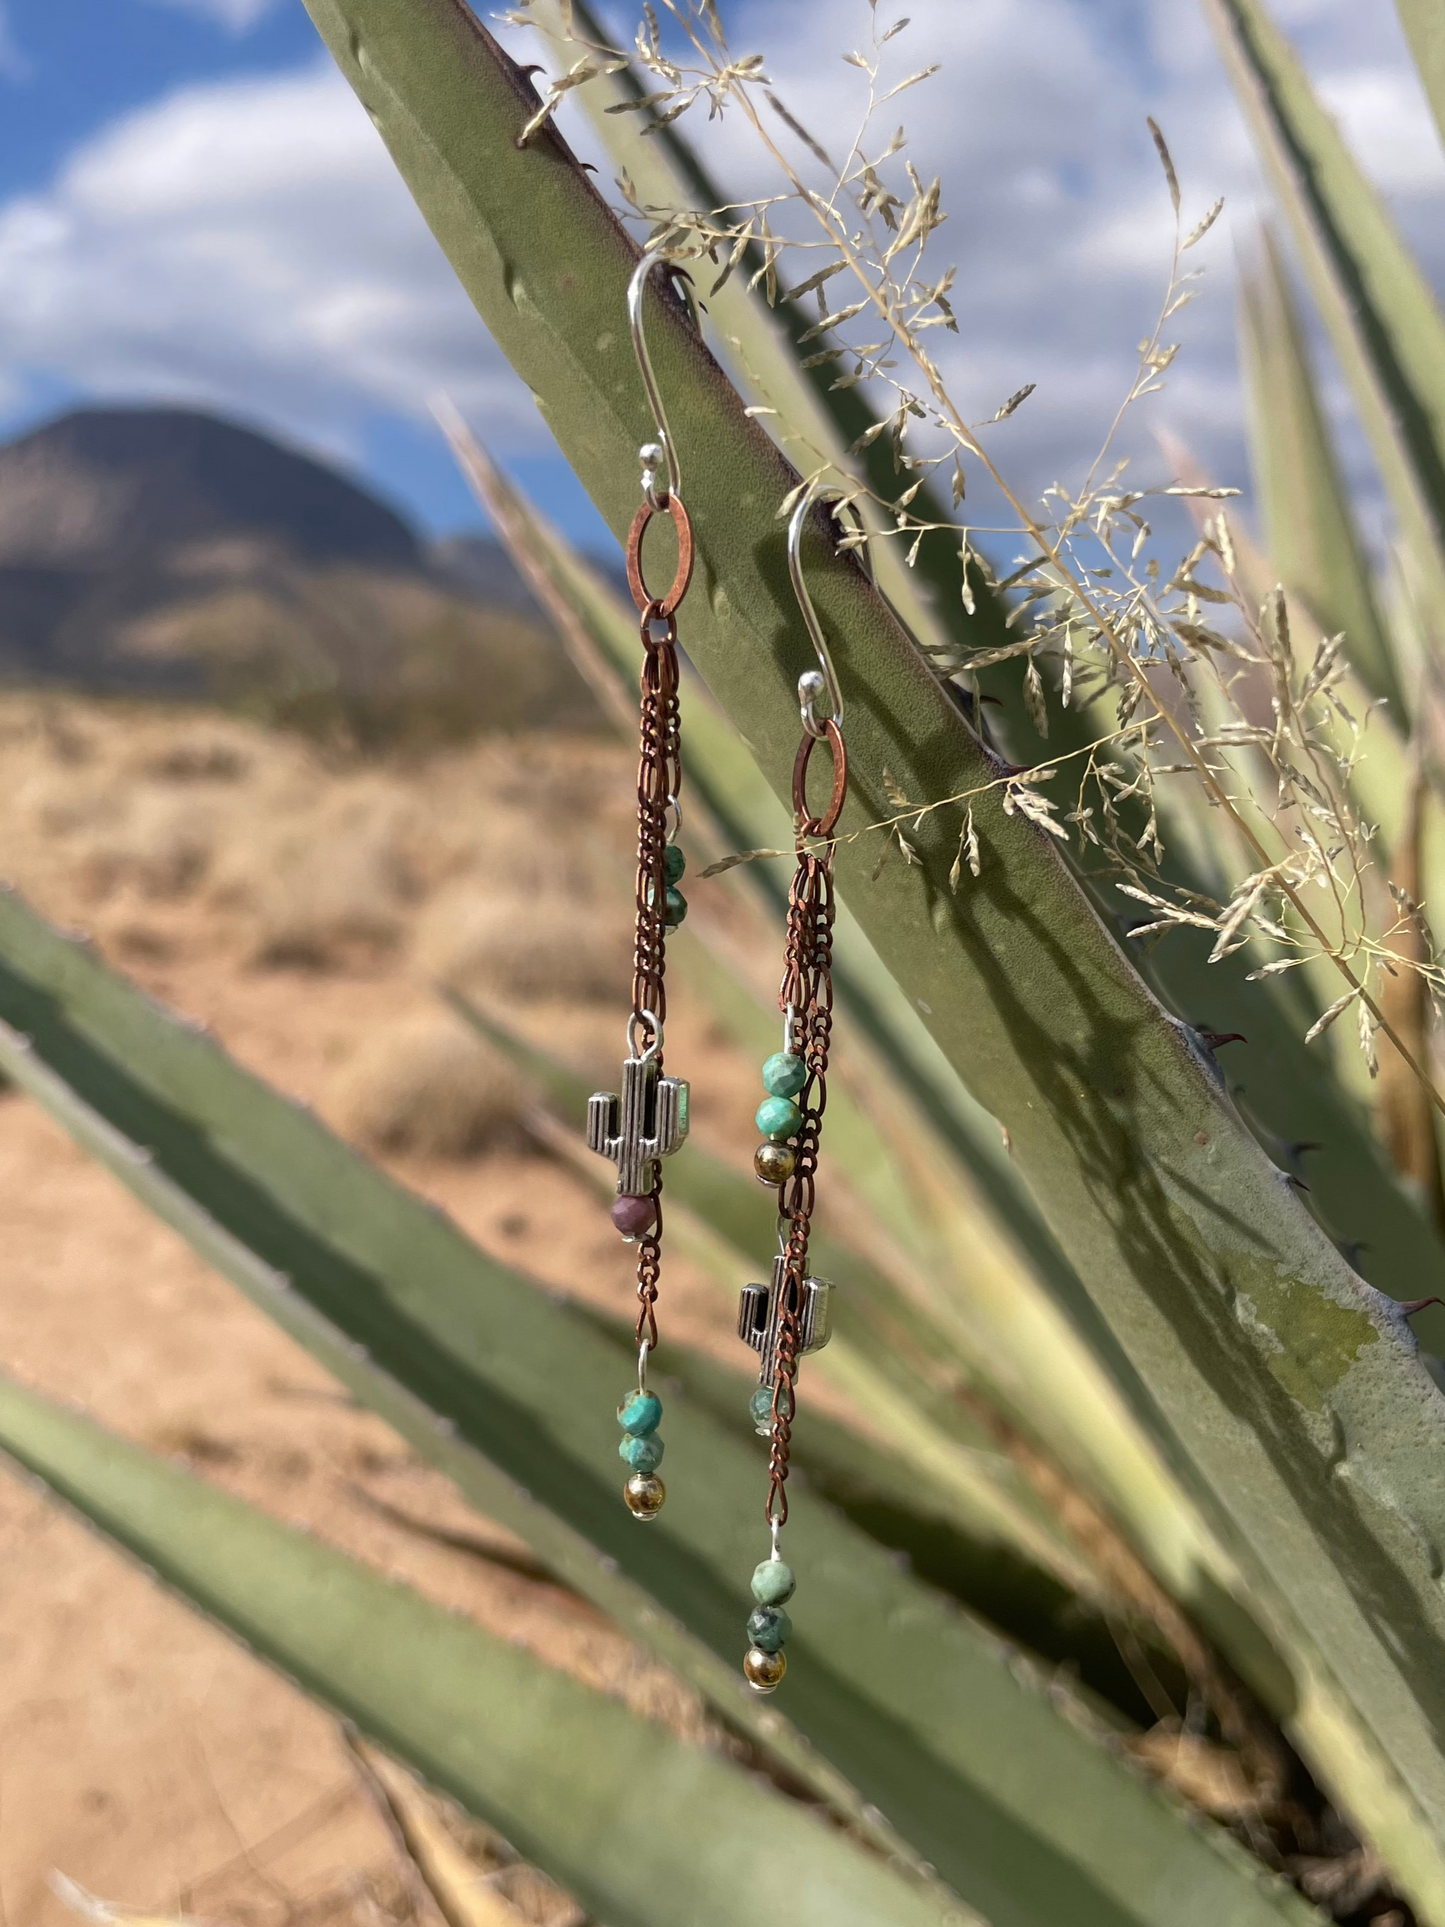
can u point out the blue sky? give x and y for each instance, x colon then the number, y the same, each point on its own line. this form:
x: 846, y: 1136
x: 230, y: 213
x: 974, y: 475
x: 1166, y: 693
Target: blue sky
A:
x: 194, y: 208
x: 75, y: 66
x: 74, y: 73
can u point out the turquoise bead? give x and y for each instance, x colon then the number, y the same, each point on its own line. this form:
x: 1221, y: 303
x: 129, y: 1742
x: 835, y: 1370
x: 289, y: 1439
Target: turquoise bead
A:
x: 779, y: 1117
x: 642, y: 1454
x: 676, y: 909
x: 640, y: 1413
x: 768, y: 1627
x: 674, y: 863
x: 784, y: 1075
x: 773, y: 1582
x: 760, y: 1405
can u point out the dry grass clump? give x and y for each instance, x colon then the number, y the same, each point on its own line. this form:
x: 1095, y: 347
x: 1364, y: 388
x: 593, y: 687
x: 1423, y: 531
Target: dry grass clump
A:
x: 203, y: 755
x: 153, y: 839
x: 501, y: 867
x: 110, y: 802
x: 534, y: 949
x: 332, y: 890
x: 47, y: 806
x: 547, y: 848
x: 429, y: 1087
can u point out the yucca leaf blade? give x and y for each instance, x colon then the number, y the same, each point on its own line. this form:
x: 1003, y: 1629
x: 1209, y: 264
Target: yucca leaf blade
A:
x: 1381, y: 314
x: 1309, y: 528
x: 1425, y: 31
x: 643, y: 1829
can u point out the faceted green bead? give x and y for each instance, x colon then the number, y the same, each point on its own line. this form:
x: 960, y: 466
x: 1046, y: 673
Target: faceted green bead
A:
x: 640, y: 1413
x: 676, y: 909
x: 773, y: 1582
x: 784, y: 1075
x: 768, y: 1627
x: 642, y: 1454
x: 779, y: 1117
x: 760, y: 1405
x: 674, y: 863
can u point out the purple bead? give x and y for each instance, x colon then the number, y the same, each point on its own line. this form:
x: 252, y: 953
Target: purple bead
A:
x: 634, y: 1217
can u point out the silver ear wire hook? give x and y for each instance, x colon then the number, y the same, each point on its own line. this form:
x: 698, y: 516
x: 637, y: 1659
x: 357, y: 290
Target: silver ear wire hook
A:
x: 812, y: 685
x: 652, y: 454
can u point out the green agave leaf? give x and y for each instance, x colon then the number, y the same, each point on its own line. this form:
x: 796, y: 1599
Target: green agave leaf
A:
x: 1383, y: 781
x: 1425, y: 30
x: 1381, y: 314
x: 1309, y: 529
x: 918, y: 1727
x: 1292, y: 1094
x: 643, y: 1829
x: 1292, y: 1401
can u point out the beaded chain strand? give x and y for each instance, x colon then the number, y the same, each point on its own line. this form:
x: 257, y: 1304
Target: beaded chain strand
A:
x: 792, y: 1318
x: 661, y: 907
x: 648, y: 1120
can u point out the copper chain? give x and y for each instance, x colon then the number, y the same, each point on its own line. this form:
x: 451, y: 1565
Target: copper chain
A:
x: 659, y: 783
x: 807, y: 994
x: 659, y: 779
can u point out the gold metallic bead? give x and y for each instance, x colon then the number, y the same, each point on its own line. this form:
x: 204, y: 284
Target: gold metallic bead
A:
x: 764, y: 1670
x: 644, y: 1493
x: 775, y: 1163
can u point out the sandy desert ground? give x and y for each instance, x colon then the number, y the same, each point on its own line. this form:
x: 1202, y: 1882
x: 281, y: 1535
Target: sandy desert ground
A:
x: 302, y: 910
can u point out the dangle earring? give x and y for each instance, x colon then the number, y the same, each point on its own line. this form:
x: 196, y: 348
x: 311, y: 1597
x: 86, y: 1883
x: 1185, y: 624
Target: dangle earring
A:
x: 648, y: 1119
x: 791, y: 1316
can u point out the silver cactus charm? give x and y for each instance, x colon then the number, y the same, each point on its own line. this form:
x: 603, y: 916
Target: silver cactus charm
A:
x: 647, y: 1122
x: 760, y: 1317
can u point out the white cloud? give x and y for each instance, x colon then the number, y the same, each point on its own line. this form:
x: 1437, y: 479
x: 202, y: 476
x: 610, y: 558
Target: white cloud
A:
x: 236, y: 16
x: 248, y: 245
x: 1387, y: 122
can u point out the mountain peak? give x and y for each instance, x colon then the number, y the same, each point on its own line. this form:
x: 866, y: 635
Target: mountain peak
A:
x: 165, y: 551
x: 95, y: 488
